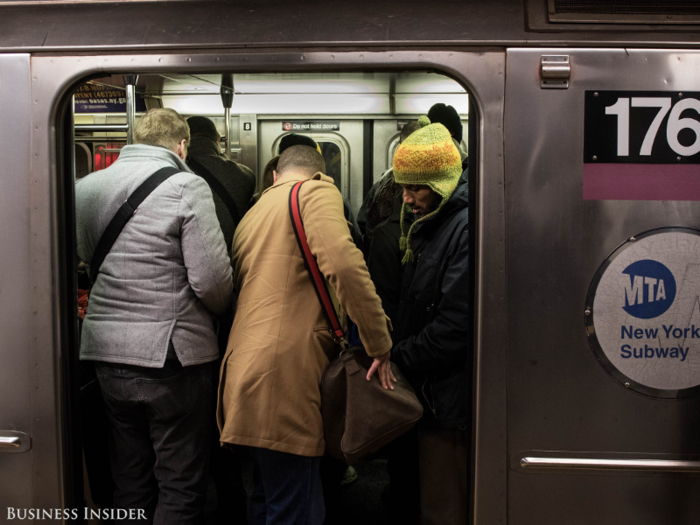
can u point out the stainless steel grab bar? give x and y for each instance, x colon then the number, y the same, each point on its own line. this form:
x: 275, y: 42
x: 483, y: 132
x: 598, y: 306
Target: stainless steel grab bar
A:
x: 131, y: 81
x: 102, y: 127
x: 14, y: 442
x: 659, y: 465
x: 10, y: 442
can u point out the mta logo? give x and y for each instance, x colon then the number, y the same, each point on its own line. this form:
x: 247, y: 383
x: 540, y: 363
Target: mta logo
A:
x: 650, y: 291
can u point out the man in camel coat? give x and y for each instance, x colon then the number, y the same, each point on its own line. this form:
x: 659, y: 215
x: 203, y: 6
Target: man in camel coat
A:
x: 280, y: 343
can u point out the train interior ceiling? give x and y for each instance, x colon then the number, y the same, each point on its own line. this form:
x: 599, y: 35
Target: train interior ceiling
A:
x: 355, y: 118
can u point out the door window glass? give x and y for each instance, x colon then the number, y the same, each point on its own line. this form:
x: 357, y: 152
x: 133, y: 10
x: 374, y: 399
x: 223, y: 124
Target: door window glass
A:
x: 333, y: 158
x: 83, y: 160
x: 106, y: 154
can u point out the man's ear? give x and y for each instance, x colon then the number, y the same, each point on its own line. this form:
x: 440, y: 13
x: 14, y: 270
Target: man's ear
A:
x: 181, y: 149
x: 275, y: 176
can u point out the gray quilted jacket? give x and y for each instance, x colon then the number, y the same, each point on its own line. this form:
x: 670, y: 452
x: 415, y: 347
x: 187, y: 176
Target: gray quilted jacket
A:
x: 167, y: 274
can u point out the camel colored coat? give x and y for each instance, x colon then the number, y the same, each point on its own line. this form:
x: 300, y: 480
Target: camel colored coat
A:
x: 280, y: 342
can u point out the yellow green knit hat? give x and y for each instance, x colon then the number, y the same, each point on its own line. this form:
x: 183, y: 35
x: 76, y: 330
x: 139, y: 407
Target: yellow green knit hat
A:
x: 428, y: 157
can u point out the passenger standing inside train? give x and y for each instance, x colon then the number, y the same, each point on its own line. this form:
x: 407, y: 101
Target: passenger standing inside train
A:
x: 433, y: 326
x: 232, y: 185
x: 380, y: 202
x: 280, y: 344
x: 150, y: 329
x: 448, y: 117
x: 334, y: 473
x: 384, y: 220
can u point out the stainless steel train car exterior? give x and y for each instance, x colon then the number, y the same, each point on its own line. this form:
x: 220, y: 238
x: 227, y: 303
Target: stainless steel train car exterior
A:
x: 561, y: 433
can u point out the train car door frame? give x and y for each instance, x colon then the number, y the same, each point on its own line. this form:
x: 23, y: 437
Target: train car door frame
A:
x: 53, y: 78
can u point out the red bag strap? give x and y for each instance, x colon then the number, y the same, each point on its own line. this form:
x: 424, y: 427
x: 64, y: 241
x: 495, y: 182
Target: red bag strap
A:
x: 310, y: 263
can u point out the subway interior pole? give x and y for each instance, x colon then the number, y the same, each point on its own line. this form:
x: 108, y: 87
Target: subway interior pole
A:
x: 130, y: 81
x: 227, y: 101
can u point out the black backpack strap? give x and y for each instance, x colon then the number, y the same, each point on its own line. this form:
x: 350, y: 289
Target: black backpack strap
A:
x: 217, y: 187
x: 116, y: 225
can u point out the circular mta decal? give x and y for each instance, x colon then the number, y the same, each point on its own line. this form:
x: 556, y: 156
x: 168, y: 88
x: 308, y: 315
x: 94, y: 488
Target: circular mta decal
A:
x: 643, y: 312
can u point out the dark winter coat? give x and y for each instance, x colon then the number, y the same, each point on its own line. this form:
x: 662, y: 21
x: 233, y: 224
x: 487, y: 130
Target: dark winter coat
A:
x: 384, y: 261
x: 434, y: 322
x: 238, y: 180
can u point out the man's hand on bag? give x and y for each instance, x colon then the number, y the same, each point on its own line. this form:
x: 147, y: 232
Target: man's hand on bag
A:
x: 382, y: 365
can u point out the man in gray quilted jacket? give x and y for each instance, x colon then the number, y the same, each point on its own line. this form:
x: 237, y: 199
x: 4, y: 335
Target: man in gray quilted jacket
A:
x: 150, y: 328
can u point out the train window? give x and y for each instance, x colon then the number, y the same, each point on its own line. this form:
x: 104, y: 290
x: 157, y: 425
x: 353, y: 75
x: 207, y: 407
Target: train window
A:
x: 83, y: 160
x: 335, y: 150
x: 332, y: 156
x: 106, y: 154
x: 391, y: 149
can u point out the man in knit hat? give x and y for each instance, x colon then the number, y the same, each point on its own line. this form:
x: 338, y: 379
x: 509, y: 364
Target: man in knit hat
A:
x: 433, y: 327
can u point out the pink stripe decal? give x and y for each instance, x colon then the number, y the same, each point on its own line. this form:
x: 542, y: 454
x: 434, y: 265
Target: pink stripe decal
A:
x: 641, y: 182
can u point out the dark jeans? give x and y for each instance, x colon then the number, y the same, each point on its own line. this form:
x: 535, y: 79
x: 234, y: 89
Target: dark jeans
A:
x: 287, y: 489
x: 225, y: 467
x: 161, y: 424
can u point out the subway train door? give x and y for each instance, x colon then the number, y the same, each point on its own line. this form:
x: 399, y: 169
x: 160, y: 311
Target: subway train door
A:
x: 341, y: 143
x: 603, y: 273
x: 18, y: 372
x: 29, y: 438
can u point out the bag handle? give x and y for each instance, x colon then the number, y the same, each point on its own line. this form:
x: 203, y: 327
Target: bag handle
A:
x: 312, y: 266
x: 124, y: 214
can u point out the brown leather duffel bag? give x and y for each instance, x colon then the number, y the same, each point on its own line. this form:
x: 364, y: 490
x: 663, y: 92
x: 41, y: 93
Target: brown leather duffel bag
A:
x: 359, y: 416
